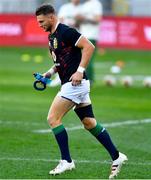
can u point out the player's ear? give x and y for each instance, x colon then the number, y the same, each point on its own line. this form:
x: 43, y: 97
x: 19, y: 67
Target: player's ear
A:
x: 50, y: 16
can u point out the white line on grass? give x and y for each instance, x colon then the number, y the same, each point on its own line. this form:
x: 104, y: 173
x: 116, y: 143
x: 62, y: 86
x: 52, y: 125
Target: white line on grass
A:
x: 20, y: 123
x: 76, y: 161
x: 110, y: 125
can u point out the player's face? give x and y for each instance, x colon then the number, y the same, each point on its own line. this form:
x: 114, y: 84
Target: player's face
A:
x: 76, y: 2
x: 45, y: 22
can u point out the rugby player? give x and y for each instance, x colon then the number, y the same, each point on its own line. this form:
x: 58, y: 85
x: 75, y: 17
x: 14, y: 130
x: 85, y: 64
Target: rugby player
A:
x: 71, y: 53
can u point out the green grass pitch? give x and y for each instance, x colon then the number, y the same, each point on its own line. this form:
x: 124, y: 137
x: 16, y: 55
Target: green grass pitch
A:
x: 26, y: 154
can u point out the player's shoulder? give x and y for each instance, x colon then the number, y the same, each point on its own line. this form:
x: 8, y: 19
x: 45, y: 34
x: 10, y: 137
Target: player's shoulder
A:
x: 97, y: 3
x: 95, y: 6
x: 63, y: 9
x: 63, y: 27
x: 93, y: 3
x: 66, y: 6
x: 67, y: 31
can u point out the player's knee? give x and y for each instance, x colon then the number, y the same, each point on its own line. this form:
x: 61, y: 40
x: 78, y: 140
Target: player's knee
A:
x: 53, y: 120
x: 89, y: 123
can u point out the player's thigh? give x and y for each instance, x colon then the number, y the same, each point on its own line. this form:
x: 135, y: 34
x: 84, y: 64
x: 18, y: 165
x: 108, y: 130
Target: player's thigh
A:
x: 59, y: 107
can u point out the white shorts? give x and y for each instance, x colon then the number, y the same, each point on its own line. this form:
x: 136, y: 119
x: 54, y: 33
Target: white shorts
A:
x: 78, y: 94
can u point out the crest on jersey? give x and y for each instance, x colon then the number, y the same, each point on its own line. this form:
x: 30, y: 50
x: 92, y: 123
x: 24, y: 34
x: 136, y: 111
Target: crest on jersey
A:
x: 55, y: 43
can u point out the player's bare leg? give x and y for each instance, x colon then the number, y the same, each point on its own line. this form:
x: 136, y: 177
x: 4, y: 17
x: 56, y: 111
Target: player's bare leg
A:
x: 58, y: 109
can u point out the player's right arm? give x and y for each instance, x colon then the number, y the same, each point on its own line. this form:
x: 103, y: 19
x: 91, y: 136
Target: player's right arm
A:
x: 87, y: 51
x: 50, y: 72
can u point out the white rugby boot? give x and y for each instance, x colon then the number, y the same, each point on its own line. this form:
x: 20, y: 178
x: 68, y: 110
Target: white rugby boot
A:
x: 62, y: 167
x: 116, y: 165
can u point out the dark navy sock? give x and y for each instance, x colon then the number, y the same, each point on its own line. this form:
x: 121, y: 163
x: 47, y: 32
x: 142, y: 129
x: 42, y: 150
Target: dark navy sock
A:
x: 103, y: 137
x: 62, y: 140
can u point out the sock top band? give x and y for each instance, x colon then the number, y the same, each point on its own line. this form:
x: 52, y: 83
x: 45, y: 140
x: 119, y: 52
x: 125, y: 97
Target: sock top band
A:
x: 96, y: 130
x: 58, y: 129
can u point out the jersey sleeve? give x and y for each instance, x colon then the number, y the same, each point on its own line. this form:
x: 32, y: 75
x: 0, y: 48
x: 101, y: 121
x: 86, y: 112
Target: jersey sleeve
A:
x: 71, y: 36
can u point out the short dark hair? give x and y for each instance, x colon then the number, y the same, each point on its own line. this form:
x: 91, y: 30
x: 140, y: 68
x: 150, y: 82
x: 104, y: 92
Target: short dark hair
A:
x: 45, y: 9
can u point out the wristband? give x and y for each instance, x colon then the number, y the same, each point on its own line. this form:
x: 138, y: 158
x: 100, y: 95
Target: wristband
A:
x: 81, y: 69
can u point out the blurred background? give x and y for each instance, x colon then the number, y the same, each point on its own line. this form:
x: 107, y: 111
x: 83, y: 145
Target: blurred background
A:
x: 111, y: 7
x: 126, y: 23
x: 125, y: 26
x: 121, y: 92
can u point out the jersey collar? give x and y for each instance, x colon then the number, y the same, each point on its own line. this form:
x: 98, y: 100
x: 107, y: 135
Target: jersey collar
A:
x: 57, y: 25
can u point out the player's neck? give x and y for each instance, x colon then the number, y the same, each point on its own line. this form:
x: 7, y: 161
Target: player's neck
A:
x: 56, y: 22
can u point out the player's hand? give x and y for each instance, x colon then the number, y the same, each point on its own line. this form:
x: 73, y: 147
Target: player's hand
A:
x: 76, y: 78
x: 47, y: 75
x: 79, y: 18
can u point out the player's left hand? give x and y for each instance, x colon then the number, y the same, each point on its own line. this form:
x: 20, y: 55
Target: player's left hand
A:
x: 79, y: 18
x: 76, y: 78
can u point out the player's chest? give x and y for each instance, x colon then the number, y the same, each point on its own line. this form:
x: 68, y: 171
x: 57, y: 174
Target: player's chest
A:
x: 56, y: 47
x: 54, y: 44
